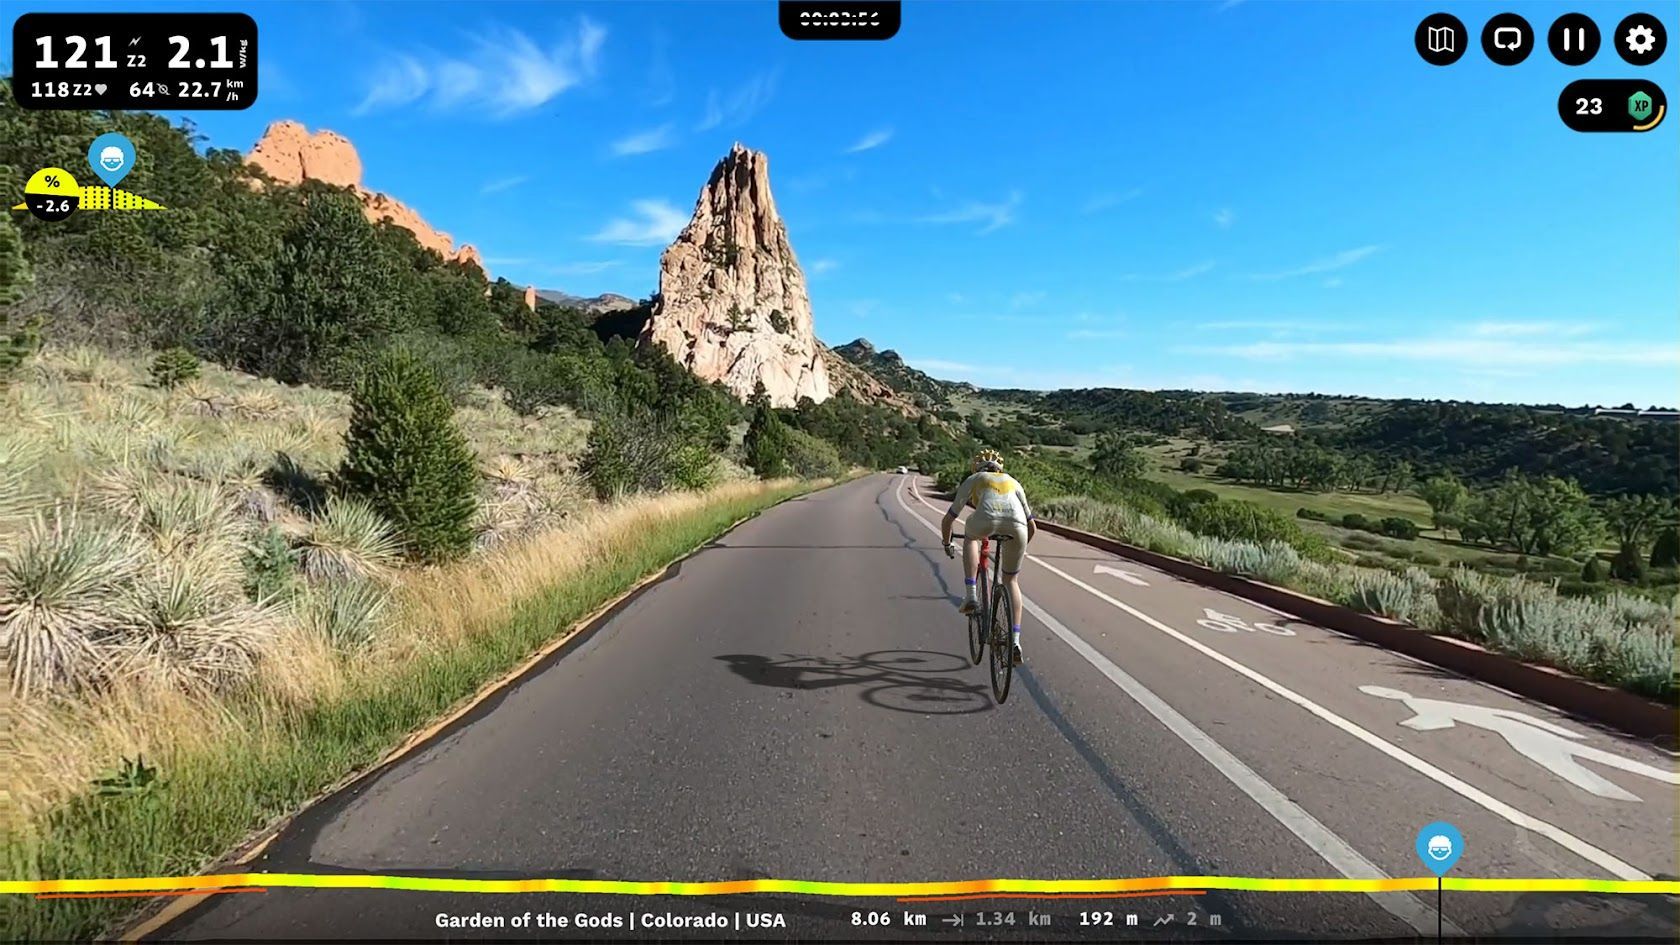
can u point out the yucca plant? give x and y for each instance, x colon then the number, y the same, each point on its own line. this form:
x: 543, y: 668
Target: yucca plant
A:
x: 347, y: 539
x: 347, y: 613
x: 181, y: 514
x: 181, y: 624
x: 60, y: 593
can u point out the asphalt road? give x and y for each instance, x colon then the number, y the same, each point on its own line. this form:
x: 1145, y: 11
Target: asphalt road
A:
x: 794, y: 702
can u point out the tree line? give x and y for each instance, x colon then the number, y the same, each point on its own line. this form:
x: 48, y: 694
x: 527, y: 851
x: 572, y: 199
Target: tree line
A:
x: 1547, y: 515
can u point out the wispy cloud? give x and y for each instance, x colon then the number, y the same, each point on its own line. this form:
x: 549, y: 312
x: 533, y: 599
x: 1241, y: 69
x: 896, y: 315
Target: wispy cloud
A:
x: 863, y: 308
x: 503, y: 72
x: 1004, y: 375
x: 1466, y: 348
x: 872, y: 140
x: 661, y: 79
x: 1341, y: 260
x: 744, y: 102
x: 1096, y: 334
x: 582, y: 268
x: 1225, y: 218
x: 1334, y: 282
x: 995, y: 216
x: 655, y: 222
x: 644, y: 142
x: 1276, y: 325
x: 821, y: 266
x: 501, y: 184
x: 1100, y: 202
x: 1177, y: 275
x: 1027, y: 299
x: 1493, y: 329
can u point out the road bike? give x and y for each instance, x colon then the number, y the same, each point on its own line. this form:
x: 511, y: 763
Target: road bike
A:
x: 993, y: 613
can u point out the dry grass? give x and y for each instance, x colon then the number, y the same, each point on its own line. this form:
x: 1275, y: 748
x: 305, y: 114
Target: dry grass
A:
x: 129, y: 516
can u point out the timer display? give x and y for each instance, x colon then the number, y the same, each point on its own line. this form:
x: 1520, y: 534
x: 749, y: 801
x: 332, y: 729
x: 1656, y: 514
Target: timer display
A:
x: 155, y: 61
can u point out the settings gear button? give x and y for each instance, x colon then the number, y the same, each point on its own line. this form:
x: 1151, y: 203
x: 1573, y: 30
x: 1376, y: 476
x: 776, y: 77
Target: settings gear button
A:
x: 1640, y: 39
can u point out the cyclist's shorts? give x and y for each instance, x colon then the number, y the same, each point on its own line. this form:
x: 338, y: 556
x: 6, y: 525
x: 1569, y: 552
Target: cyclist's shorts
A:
x: 980, y: 525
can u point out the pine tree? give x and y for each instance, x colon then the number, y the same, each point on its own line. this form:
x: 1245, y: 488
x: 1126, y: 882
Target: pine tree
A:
x: 407, y: 457
x: 766, y: 442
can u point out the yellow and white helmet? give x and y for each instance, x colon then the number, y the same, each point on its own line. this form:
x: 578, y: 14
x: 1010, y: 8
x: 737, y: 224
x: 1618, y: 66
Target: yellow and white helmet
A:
x: 985, y: 457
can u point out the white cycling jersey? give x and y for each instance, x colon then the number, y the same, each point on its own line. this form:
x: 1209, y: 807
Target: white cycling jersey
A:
x: 995, y: 496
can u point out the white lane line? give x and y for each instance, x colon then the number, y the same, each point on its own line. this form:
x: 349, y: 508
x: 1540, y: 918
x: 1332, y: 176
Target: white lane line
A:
x: 1609, y: 862
x: 1320, y: 839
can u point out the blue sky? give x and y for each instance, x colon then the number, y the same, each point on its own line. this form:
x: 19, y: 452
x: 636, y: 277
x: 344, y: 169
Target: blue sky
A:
x: 1271, y: 196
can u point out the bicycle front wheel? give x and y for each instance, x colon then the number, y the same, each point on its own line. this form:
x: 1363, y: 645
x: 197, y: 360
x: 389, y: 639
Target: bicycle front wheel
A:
x: 1003, y: 667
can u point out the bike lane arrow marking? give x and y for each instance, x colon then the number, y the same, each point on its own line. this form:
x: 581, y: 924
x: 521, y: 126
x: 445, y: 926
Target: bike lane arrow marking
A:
x: 1126, y: 576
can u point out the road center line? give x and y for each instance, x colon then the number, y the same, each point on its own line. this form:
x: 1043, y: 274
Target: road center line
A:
x: 1609, y: 862
x: 1320, y: 839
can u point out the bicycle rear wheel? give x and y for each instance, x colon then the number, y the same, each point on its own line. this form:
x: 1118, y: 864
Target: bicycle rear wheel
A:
x: 977, y: 628
x: 1003, y: 667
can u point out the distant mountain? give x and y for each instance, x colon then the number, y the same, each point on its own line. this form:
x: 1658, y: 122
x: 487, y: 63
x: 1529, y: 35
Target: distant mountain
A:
x: 890, y: 369
x: 606, y: 302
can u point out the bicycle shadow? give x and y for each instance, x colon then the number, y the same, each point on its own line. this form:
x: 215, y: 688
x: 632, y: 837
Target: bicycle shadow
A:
x: 915, y: 681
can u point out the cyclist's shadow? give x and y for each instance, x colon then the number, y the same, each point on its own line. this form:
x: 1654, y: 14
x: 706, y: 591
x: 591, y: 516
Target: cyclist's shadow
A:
x: 905, y: 680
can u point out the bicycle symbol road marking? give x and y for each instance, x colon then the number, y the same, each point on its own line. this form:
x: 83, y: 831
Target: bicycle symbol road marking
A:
x: 1226, y: 623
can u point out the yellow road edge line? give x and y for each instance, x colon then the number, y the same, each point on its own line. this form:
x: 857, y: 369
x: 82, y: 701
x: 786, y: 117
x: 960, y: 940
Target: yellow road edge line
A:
x: 177, y: 906
x: 818, y: 888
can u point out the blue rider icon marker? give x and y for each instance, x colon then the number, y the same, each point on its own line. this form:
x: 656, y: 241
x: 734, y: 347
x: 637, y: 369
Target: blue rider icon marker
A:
x: 111, y: 156
x: 1439, y: 845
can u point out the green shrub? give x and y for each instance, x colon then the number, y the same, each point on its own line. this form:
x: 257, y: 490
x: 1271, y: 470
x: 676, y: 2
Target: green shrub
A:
x: 812, y: 457
x: 1245, y: 521
x: 692, y: 466
x: 1665, y: 552
x: 1628, y: 565
x: 637, y: 452
x: 1592, y: 572
x: 407, y: 458
x: 1407, y: 595
x: 1425, y: 558
x: 1183, y: 505
x: 1356, y: 521
x: 173, y: 367
x: 270, y: 567
x: 1311, y: 515
x: 1396, y: 527
x: 1190, y: 464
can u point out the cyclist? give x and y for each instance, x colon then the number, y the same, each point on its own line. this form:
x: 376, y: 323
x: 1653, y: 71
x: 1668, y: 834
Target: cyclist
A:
x: 1000, y: 508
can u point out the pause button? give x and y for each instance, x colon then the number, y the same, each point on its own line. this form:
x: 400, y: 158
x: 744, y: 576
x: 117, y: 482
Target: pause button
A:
x: 1573, y: 39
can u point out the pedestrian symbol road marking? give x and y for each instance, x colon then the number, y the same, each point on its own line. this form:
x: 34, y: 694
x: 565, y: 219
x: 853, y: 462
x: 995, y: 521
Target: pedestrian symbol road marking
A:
x: 1547, y: 745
